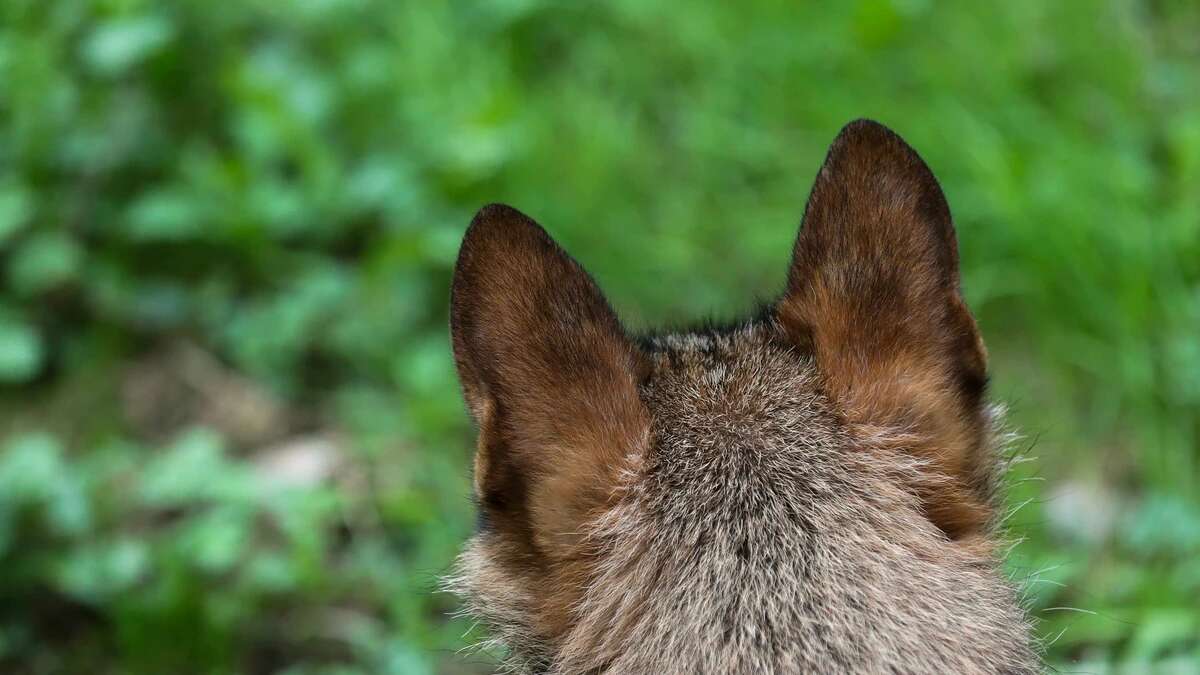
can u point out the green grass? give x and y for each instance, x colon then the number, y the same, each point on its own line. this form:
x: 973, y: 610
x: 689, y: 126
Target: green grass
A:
x: 261, y: 203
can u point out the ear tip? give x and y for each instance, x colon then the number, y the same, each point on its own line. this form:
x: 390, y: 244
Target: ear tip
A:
x: 494, y: 218
x: 869, y: 133
x: 498, y: 240
x: 497, y: 211
x: 487, y: 242
x: 869, y: 148
x: 865, y: 125
x: 497, y: 228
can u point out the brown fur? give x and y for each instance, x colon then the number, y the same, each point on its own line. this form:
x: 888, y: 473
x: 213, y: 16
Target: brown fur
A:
x: 809, y: 490
x: 874, y: 288
x: 550, y: 378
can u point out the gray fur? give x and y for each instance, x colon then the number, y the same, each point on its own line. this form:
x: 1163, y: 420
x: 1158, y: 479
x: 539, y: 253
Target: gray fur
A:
x: 761, y: 534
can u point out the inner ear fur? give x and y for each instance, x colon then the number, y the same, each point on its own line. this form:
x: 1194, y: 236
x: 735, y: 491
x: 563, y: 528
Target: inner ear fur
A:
x: 549, y: 376
x: 873, y: 290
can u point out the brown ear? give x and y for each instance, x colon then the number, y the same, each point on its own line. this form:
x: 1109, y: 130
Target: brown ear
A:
x: 548, y: 375
x: 874, y: 291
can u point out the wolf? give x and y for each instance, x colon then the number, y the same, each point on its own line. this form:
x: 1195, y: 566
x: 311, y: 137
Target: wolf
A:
x: 813, y: 489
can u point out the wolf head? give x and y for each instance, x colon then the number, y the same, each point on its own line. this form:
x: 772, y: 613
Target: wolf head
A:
x: 809, y: 490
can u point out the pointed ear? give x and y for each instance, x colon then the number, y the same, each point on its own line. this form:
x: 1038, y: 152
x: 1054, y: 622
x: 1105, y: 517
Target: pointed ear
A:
x: 874, y: 292
x: 549, y: 376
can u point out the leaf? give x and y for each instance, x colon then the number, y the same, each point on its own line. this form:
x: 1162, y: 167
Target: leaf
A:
x: 44, y: 261
x: 30, y: 466
x: 216, y: 540
x: 164, y: 215
x: 21, y: 351
x: 33, y: 473
x: 16, y: 207
x: 1159, y: 630
x: 1163, y: 524
x: 271, y: 573
x: 97, y: 570
x: 116, y: 46
x: 191, y: 470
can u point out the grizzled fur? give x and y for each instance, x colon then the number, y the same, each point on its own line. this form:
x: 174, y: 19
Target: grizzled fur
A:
x: 808, y: 491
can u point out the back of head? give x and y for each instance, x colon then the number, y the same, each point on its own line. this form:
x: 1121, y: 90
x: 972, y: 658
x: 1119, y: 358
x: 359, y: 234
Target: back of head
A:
x: 809, y: 490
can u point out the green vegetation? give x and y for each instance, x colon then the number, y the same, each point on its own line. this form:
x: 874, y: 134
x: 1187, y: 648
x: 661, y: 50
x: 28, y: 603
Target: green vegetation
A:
x: 230, y: 433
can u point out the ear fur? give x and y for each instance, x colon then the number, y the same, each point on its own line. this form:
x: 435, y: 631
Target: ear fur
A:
x: 874, y: 291
x: 549, y: 376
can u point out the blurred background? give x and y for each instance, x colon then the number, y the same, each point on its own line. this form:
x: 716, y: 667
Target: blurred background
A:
x: 231, y: 439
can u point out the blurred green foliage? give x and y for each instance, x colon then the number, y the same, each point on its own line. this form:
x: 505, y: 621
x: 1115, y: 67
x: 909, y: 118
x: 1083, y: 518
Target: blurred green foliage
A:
x: 227, y: 230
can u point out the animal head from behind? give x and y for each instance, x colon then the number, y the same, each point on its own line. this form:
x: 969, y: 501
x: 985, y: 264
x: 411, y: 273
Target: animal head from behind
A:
x: 811, y: 489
